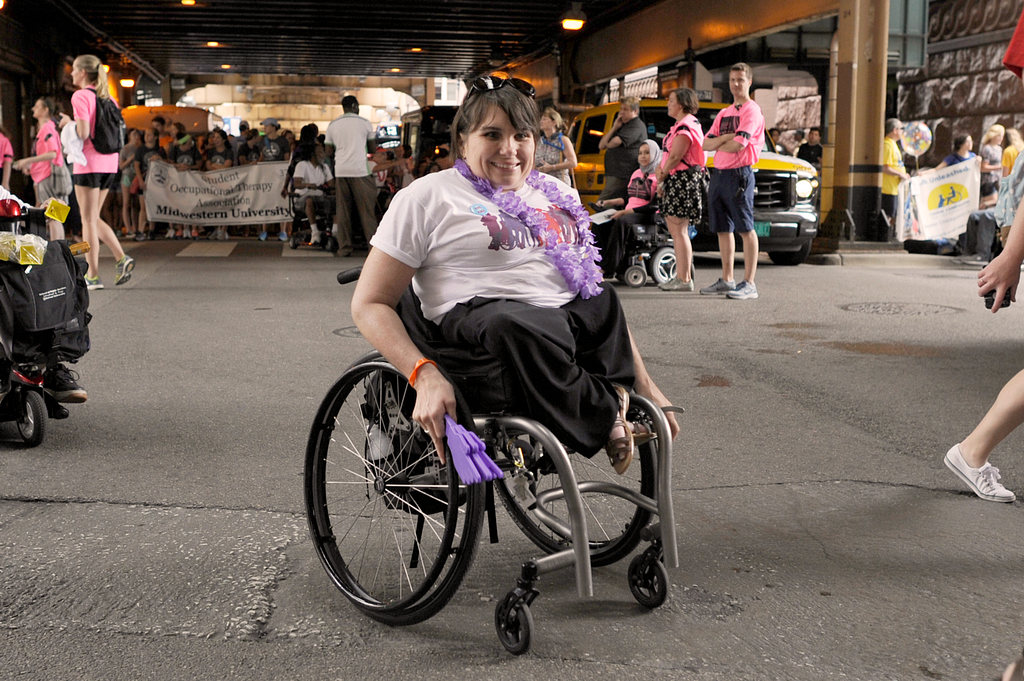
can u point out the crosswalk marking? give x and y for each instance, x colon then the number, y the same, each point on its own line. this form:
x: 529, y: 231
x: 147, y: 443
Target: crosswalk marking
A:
x: 207, y: 250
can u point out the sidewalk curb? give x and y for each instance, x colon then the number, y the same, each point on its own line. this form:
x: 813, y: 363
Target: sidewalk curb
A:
x: 898, y: 259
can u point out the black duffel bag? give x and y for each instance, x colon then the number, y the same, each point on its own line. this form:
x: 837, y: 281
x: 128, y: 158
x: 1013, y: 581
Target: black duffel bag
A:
x: 45, y: 308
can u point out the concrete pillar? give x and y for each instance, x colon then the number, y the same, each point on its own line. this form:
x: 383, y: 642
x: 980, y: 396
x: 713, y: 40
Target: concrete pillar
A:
x: 861, y: 74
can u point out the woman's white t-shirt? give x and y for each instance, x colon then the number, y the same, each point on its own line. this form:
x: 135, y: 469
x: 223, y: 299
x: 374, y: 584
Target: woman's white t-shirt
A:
x: 462, y: 246
x: 312, y: 174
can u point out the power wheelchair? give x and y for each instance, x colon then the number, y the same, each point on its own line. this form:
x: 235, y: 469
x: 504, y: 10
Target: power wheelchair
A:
x: 396, y: 530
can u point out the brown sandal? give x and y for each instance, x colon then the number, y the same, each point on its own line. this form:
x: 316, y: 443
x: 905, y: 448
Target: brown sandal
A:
x: 642, y: 433
x: 620, y: 449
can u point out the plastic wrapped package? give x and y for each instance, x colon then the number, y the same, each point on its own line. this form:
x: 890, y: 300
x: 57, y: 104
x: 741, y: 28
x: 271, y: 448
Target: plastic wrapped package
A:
x: 24, y: 249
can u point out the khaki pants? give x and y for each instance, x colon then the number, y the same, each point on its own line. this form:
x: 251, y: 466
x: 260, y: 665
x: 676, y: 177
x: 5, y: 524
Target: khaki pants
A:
x: 359, y: 193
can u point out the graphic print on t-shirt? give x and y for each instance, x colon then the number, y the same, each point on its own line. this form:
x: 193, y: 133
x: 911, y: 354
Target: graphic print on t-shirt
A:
x: 509, y: 233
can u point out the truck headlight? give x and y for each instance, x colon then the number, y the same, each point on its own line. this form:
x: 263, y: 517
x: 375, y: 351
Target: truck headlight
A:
x: 804, y: 188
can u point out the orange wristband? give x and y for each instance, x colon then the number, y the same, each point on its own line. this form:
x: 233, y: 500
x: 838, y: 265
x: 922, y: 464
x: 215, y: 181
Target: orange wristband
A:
x: 416, y: 369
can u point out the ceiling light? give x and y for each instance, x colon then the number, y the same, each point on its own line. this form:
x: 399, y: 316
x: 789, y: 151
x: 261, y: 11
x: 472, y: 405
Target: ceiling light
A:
x: 213, y: 43
x: 396, y: 70
x: 574, y: 19
x: 188, y: 2
x: 225, y: 66
x: 106, y: 68
x: 415, y: 49
x: 127, y: 82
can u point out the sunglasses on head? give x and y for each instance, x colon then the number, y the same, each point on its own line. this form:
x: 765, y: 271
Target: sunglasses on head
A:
x: 485, y: 83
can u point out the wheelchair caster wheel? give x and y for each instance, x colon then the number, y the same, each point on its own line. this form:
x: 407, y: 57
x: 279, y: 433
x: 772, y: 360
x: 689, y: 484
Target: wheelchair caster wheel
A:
x: 648, y: 579
x: 294, y: 242
x: 514, y: 623
x: 332, y: 244
x: 635, y: 276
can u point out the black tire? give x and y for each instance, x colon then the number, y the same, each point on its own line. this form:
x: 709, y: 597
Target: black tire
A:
x: 332, y: 244
x: 294, y: 241
x: 790, y: 258
x: 663, y: 264
x: 635, y: 276
x: 613, y: 524
x: 32, y: 424
x: 648, y: 580
x: 515, y: 628
x: 395, y: 531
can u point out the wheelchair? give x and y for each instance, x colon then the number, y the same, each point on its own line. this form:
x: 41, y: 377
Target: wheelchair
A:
x: 649, y: 253
x: 302, y: 234
x: 396, y: 530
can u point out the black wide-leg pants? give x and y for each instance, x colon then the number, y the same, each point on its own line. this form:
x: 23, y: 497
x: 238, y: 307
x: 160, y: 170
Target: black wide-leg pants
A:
x: 566, y: 359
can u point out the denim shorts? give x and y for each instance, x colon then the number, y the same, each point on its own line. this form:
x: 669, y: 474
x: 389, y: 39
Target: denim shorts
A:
x: 731, y: 200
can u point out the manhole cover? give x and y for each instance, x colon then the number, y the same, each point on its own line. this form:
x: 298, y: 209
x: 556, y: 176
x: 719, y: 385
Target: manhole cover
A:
x: 347, y: 332
x: 900, y: 309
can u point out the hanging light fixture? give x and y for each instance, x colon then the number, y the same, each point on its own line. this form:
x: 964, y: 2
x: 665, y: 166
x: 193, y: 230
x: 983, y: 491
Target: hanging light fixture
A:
x: 127, y: 82
x: 574, y: 19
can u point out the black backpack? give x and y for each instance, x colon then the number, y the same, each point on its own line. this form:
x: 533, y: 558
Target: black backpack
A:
x: 110, y: 131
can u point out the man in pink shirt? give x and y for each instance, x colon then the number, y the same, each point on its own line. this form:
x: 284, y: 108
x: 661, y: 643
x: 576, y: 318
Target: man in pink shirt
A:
x: 736, y: 138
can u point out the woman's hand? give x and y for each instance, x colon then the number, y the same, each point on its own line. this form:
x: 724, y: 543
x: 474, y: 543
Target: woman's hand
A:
x: 435, y: 397
x: 653, y: 393
x: 64, y: 120
x: 20, y: 165
x: 619, y: 213
x: 1002, y: 276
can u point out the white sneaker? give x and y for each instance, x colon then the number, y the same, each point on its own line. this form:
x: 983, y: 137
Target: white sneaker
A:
x: 983, y: 481
x: 745, y: 291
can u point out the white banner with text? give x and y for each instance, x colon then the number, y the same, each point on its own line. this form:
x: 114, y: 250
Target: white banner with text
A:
x: 243, y: 195
x: 936, y: 205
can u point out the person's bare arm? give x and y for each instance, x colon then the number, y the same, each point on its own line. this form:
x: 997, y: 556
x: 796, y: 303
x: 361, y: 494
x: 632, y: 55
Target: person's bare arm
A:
x: 1003, y: 274
x: 715, y: 143
x: 610, y: 140
x: 680, y: 145
x: 381, y: 285
x: 645, y: 386
x: 7, y: 174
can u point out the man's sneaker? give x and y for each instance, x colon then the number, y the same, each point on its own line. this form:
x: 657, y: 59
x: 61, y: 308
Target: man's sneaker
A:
x: 263, y: 236
x: 124, y: 269
x: 718, y: 288
x: 745, y: 291
x: 62, y: 384
x: 676, y: 284
x: 983, y: 481
x: 93, y: 284
x: 141, y: 236
x: 282, y: 235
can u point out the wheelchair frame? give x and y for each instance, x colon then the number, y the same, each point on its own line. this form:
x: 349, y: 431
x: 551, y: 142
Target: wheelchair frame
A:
x: 402, y: 478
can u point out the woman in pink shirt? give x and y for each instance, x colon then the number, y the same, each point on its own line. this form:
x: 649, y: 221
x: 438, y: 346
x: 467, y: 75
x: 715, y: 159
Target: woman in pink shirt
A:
x: 96, y: 178
x: 6, y: 158
x: 681, y: 182
x: 48, y: 154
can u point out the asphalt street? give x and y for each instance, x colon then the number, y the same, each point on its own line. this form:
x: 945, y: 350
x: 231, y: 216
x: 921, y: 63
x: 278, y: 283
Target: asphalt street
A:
x: 159, y: 532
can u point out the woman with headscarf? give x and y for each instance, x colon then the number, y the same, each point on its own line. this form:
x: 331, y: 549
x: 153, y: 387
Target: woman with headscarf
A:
x: 642, y: 189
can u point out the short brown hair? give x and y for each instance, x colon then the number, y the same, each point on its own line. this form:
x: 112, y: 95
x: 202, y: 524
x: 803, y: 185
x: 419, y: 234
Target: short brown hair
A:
x: 687, y: 99
x: 745, y: 68
x: 632, y: 102
x: 520, y: 109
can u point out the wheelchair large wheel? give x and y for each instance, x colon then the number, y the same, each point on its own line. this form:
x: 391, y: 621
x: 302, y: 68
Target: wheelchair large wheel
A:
x: 395, y: 530
x: 663, y: 264
x: 613, y: 523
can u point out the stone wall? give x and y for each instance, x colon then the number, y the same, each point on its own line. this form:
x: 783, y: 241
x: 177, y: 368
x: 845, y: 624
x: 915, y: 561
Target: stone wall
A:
x: 963, y: 91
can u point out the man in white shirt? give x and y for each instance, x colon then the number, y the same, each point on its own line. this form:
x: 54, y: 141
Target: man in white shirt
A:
x: 350, y: 137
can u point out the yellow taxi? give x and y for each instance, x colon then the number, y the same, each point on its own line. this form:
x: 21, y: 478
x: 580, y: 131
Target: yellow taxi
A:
x: 785, y: 192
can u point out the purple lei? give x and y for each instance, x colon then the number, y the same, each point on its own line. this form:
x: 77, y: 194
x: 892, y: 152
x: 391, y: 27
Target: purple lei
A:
x: 577, y: 264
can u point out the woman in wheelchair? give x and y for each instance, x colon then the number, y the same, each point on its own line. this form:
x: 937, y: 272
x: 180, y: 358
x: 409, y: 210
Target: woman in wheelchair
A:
x: 502, y: 257
x: 312, y: 177
x: 616, y: 234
